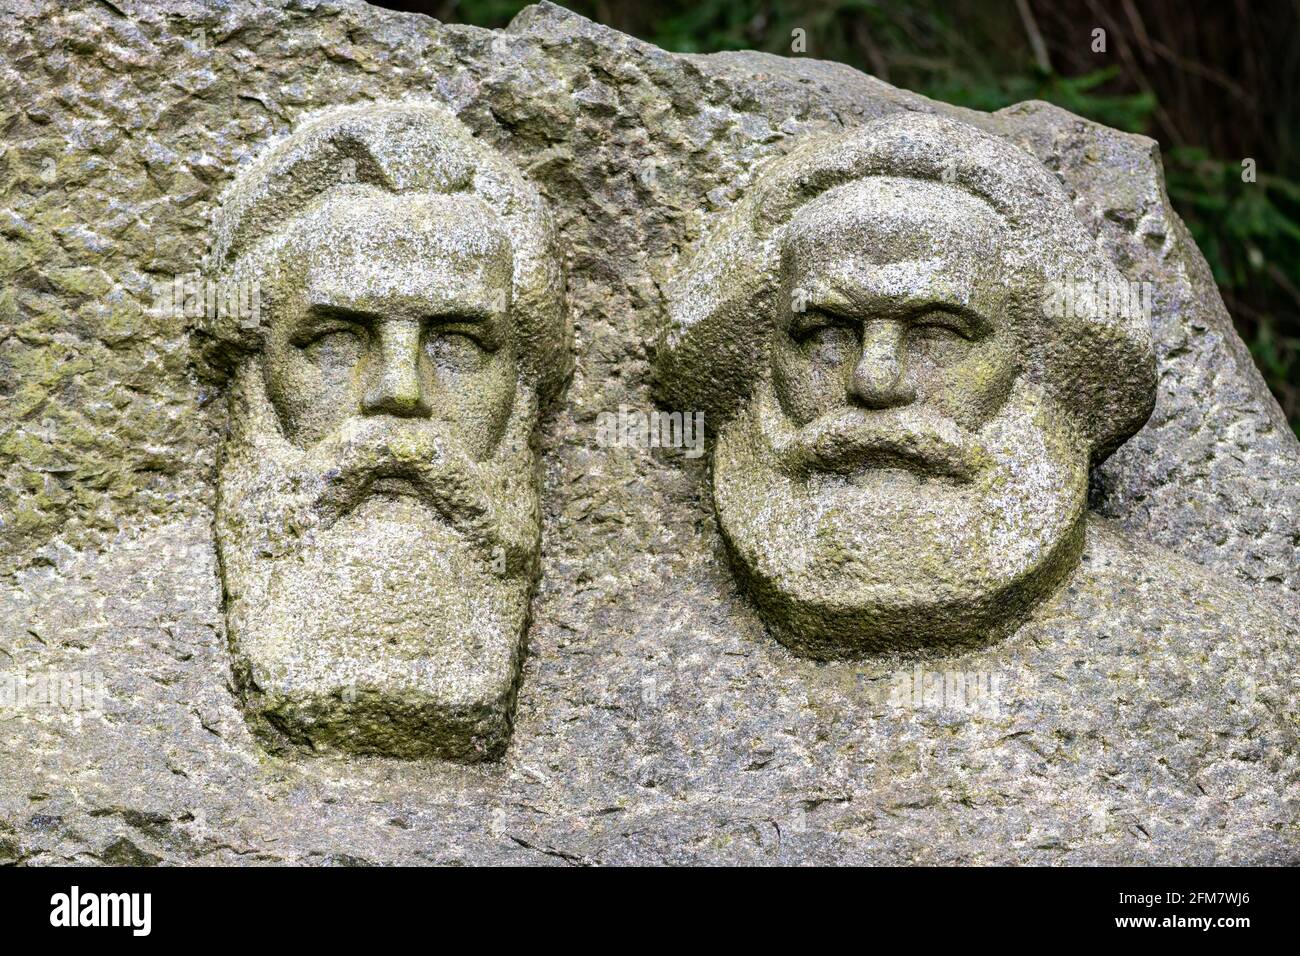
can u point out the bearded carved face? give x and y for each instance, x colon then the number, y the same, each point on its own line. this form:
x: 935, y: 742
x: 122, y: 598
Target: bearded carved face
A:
x: 378, y: 519
x: 894, y: 482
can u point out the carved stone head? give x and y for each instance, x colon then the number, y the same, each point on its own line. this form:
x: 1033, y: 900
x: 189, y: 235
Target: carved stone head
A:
x: 904, y: 425
x: 378, y: 522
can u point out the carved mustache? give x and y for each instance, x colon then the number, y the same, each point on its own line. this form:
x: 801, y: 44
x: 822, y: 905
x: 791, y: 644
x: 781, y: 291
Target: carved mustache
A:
x: 374, y: 456
x: 853, y: 440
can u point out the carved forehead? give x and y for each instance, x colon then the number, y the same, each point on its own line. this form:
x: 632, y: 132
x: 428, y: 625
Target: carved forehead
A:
x: 379, y: 232
x: 892, y: 219
x: 898, y: 239
x: 378, y: 253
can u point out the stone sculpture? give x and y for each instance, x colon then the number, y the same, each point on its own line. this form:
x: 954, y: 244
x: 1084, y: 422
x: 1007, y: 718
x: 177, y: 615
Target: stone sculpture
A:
x: 909, y: 392
x: 377, y: 517
x: 1129, y: 698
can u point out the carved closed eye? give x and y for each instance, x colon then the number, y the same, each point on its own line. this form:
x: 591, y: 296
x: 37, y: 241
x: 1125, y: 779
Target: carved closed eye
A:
x: 940, y: 325
x: 824, y: 337
x: 457, y: 350
x: 334, y: 345
x: 942, y: 337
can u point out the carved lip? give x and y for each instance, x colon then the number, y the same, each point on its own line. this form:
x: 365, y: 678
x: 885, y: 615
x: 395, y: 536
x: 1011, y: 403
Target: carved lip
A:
x: 882, y: 456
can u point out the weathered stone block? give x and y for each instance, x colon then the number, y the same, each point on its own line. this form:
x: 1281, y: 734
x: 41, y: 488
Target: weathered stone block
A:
x: 174, y: 535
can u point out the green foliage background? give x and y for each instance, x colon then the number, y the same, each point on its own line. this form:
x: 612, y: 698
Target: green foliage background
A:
x: 1215, y: 84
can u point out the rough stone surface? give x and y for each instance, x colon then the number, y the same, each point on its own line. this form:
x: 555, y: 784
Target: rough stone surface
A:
x: 657, y: 720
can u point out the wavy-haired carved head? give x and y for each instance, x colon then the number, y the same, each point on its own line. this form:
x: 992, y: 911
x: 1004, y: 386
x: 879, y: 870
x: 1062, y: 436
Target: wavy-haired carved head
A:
x: 378, y: 519
x: 905, y: 423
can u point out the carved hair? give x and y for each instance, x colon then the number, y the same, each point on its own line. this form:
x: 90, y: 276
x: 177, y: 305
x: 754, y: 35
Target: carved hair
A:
x: 1100, y: 368
x: 399, y: 148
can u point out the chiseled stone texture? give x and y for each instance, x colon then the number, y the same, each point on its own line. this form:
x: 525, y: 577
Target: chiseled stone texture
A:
x: 657, y: 721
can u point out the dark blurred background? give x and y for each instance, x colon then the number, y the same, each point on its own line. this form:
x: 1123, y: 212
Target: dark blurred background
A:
x: 1214, y: 83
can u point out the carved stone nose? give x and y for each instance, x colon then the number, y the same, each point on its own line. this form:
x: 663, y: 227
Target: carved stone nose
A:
x: 879, y: 379
x: 395, y: 387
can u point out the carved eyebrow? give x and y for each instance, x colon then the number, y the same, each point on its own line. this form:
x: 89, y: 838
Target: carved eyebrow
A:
x: 332, y: 310
x: 978, y: 322
x: 454, y: 312
x: 318, y: 319
x: 829, y: 298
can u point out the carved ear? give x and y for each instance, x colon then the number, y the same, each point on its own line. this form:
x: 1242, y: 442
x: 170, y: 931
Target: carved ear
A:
x: 254, y: 425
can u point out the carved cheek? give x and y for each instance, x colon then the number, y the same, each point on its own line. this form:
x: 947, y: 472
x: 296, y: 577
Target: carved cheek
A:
x: 810, y: 378
x: 790, y: 371
x: 476, y: 402
x: 971, y: 387
x: 314, y: 388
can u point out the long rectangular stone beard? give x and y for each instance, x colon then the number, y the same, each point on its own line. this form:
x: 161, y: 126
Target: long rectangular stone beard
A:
x: 388, y: 634
x: 389, y: 631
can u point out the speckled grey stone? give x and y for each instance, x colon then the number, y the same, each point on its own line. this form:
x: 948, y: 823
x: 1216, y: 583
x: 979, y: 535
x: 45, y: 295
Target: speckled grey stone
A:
x: 1146, y: 712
